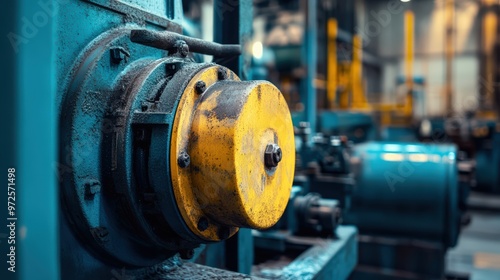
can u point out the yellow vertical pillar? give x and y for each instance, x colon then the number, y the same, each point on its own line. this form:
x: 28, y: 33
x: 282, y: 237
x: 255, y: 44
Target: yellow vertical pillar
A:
x: 488, y: 39
x: 331, y: 83
x: 358, y: 99
x: 449, y: 52
x: 409, y: 57
x: 344, y: 80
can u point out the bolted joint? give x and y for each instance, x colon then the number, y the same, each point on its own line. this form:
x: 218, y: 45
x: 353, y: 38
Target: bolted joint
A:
x: 272, y: 155
x: 200, y: 87
x: 221, y: 74
x: 182, y: 48
x: 183, y: 160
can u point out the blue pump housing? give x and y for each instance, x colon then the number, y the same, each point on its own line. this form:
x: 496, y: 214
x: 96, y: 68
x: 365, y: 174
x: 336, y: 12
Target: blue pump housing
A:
x: 408, y: 190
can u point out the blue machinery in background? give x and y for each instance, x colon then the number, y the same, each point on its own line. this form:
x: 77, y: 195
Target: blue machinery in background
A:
x: 478, y: 139
x: 408, y: 206
x: 407, y: 199
x: 416, y: 185
x: 404, y: 198
x: 358, y: 127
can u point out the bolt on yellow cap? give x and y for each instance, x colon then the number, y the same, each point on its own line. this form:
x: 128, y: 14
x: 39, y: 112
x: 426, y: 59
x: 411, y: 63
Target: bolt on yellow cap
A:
x: 240, y: 141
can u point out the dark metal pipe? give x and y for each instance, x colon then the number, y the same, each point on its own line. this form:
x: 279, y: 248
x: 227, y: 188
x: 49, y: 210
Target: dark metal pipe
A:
x: 166, y: 40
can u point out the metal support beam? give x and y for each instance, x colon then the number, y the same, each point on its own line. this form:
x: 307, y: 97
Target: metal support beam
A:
x: 489, y: 41
x: 241, y: 246
x: 449, y: 53
x: 37, y: 201
x: 358, y: 99
x: 233, y: 25
x: 309, y: 57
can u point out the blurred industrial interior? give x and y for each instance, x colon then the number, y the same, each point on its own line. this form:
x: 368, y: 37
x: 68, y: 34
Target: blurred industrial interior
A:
x: 280, y: 139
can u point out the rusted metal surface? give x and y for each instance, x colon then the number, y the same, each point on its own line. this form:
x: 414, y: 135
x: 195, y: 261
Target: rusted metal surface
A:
x: 225, y: 130
x: 201, y: 272
x: 325, y: 259
x: 141, y: 14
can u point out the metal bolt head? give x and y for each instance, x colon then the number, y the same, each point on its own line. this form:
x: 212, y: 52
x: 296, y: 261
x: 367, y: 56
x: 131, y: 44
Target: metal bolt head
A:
x: 221, y: 74
x: 272, y: 155
x: 181, y: 48
x: 184, y: 49
x: 183, y: 160
x: 200, y: 87
x: 202, y: 224
x: 277, y: 155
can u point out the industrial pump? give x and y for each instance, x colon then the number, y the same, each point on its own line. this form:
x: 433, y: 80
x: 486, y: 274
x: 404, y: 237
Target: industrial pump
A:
x: 162, y: 153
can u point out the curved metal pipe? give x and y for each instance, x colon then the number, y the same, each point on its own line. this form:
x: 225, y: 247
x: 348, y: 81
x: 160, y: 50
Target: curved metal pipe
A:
x: 166, y: 40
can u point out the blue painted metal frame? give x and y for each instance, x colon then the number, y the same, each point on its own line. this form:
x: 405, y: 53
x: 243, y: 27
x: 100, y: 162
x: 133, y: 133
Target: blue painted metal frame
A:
x: 31, y: 91
x: 8, y: 120
x: 308, y: 96
x: 233, y: 25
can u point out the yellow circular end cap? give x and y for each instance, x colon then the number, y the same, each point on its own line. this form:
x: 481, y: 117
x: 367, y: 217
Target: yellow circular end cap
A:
x: 234, y: 124
x: 225, y: 131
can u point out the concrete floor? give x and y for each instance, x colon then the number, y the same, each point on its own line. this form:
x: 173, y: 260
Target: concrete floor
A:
x: 478, y: 250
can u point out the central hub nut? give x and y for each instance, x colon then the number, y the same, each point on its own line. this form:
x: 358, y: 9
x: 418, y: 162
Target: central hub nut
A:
x: 272, y: 155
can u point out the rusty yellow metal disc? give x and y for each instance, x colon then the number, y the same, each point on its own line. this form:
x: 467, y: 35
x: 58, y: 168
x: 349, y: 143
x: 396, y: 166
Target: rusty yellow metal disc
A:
x: 225, y: 131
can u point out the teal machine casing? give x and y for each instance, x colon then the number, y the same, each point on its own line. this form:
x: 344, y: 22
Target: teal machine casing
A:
x: 416, y: 185
x: 408, y: 206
